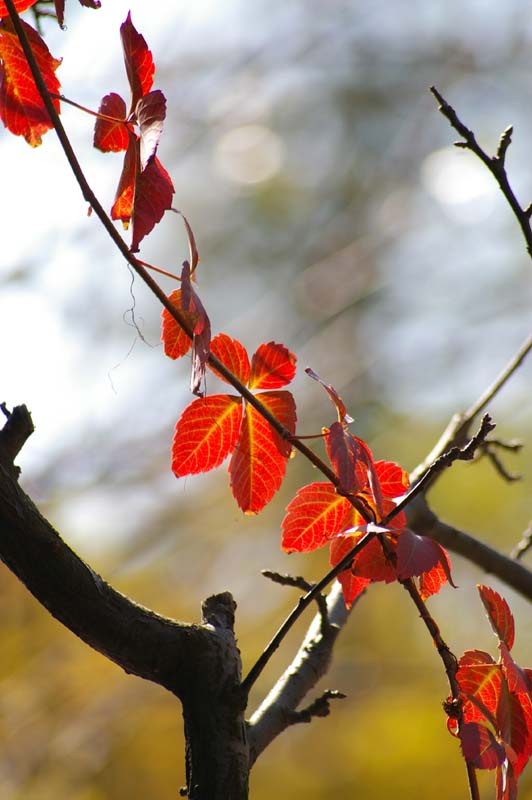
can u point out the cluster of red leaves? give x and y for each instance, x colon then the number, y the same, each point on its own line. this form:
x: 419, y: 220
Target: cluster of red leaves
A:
x: 321, y: 514
x: 496, y: 727
x: 216, y: 426
x: 145, y: 189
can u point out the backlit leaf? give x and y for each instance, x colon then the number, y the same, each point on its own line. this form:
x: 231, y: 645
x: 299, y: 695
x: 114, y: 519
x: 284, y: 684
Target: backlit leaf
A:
x: 175, y: 340
x: 153, y: 196
x: 112, y: 136
x: 233, y: 355
x: 20, y: 5
x: 480, y: 747
x: 371, y: 563
x: 419, y: 554
x: 138, y: 60
x: 272, y: 366
x: 350, y: 457
x: 352, y: 585
x: 516, y: 677
x: 21, y: 108
x: 499, y: 614
x: 258, y: 463
x: 393, y: 480
x: 202, y: 329
x: 205, y: 434
x: 125, y: 194
x: 150, y: 112
x: 314, y: 516
x: 431, y: 582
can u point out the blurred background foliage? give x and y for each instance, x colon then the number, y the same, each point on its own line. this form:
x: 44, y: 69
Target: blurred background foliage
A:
x: 331, y: 214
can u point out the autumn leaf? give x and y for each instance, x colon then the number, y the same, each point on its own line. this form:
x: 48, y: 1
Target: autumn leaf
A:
x: 142, y: 196
x: 352, y: 585
x: 205, y: 434
x: 112, y: 135
x: 20, y: 5
x: 314, y: 516
x: 417, y: 555
x: 233, y: 355
x: 258, y: 463
x: 337, y: 401
x: 150, y: 113
x: 138, y: 59
x: 499, y: 614
x: 21, y: 107
x: 351, y: 459
x: 175, y: 341
x: 202, y: 329
x: 272, y: 366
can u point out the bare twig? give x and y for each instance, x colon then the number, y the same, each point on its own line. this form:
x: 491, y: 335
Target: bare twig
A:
x: 298, y: 582
x: 495, y: 164
x: 320, y: 707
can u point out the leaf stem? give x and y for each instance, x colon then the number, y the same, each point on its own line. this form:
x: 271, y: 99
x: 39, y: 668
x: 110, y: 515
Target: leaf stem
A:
x: 96, y: 114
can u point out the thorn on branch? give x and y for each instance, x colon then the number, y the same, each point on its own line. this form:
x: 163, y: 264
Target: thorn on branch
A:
x: 298, y: 582
x: 318, y: 708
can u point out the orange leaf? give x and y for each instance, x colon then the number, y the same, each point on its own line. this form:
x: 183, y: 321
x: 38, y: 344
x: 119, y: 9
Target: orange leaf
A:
x: 499, y: 614
x: 258, y: 464
x: 205, y: 434
x: 125, y: 194
x: 20, y: 5
x: 111, y: 137
x: 233, y: 355
x: 313, y: 517
x: 272, y: 366
x: 393, y: 480
x: 138, y: 60
x: 175, y: 340
x: 21, y: 107
x: 431, y: 582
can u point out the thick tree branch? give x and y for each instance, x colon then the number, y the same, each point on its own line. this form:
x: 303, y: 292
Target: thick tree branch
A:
x: 200, y: 664
x: 279, y: 709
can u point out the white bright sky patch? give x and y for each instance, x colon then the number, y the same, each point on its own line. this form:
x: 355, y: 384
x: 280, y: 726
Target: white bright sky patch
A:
x: 455, y: 178
x: 249, y: 154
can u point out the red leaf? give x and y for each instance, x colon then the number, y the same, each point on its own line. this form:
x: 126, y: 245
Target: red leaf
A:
x: 258, y: 464
x: 351, y: 459
x: 20, y: 5
x: 138, y: 60
x: 314, y: 516
x: 205, y: 434
x: 202, y: 329
x: 431, y: 582
x: 233, y: 355
x: 371, y: 563
x: 21, y: 107
x: 175, y: 340
x: 393, y: 480
x: 112, y: 136
x: 343, y: 416
x: 352, y: 586
x: 153, y: 196
x: 518, y: 681
x: 150, y: 112
x: 91, y: 3
x: 480, y: 747
x: 272, y: 366
x: 418, y: 554
x: 125, y: 194
x: 499, y: 614
x: 479, y: 676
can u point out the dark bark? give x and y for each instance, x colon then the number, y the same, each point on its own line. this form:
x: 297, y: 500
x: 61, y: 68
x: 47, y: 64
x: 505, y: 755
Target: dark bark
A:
x: 199, y: 664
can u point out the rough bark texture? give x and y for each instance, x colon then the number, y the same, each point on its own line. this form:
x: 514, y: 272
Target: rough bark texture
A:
x: 199, y: 664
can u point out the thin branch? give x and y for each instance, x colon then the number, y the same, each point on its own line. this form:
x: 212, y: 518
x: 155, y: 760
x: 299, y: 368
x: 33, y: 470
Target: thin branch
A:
x: 279, y: 709
x: 298, y: 582
x: 495, y: 164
